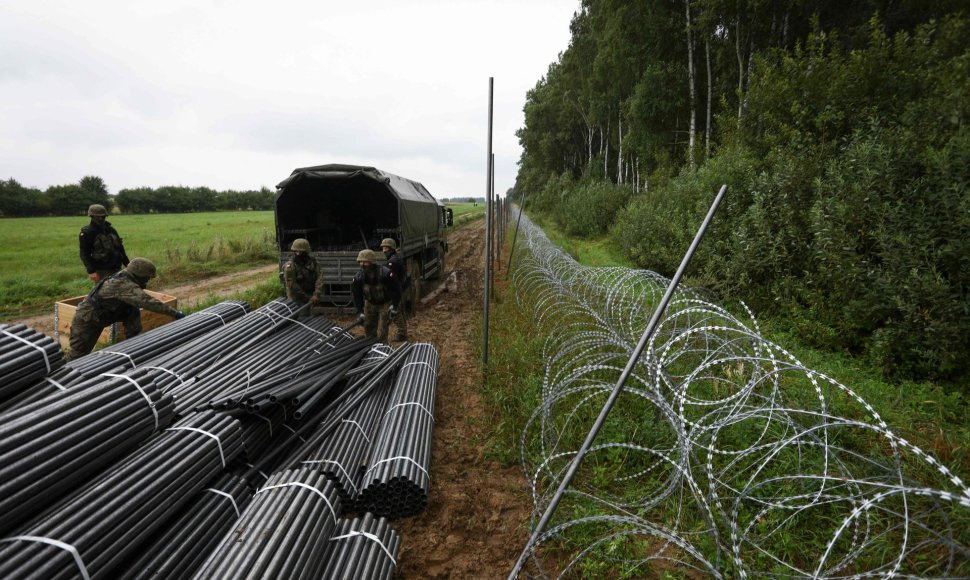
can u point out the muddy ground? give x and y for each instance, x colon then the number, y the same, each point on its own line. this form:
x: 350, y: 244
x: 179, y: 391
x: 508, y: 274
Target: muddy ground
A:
x: 475, y: 523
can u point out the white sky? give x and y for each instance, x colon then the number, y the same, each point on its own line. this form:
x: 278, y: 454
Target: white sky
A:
x: 235, y: 95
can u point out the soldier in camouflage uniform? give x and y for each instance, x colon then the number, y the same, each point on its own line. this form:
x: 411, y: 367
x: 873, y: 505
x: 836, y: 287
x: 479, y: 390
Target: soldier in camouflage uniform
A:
x: 395, y: 262
x: 116, y: 298
x: 377, y: 295
x: 302, y: 275
x: 102, y: 252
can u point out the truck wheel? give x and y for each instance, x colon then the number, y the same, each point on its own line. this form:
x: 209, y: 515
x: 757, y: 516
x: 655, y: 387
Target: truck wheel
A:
x: 441, y: 264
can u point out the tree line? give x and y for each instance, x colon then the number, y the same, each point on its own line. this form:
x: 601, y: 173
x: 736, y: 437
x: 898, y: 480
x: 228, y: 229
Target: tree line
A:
x: 841, y: 128
x: 74, y: 199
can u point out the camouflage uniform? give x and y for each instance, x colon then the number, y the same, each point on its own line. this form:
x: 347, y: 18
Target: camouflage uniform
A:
x: 101, y: 249
x: 375, y: 290
x: 114, y: 299
x: 303, y: 278
x: 395, y: 262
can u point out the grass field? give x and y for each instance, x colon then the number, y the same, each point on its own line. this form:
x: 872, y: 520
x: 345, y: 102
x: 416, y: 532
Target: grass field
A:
x: 39, y: 261
x: 463, y: 213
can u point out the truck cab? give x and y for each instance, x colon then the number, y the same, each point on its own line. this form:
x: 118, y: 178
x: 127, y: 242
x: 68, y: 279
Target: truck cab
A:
x: 342, y: 209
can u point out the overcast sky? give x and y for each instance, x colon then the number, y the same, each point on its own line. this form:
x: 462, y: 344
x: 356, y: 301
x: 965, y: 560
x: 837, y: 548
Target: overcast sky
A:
x: 235, y: 95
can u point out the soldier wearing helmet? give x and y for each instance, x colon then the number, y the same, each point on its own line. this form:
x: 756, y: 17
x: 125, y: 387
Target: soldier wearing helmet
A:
x: 102, y: 252
x: 377, y: 294
x: 302, y: 275
x: 395, y: 262
x: 116, y: 298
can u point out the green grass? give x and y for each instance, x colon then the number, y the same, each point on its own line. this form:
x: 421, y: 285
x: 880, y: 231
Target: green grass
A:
x: 257, y: 296
x: 39, y: 262
x: 462, y: 213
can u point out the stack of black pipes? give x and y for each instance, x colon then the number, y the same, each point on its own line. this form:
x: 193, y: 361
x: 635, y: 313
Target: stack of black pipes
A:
x: 97, y: 528
x: 286, y: 371
x: 26, y: 356
x: 397, y: 480
x: 340, y: 456
x: 53, y: 445
x: 315, y: 427
x: 183, y: 545
x: 135, y: 351
x: 282, y: 534
x: 363, y: 548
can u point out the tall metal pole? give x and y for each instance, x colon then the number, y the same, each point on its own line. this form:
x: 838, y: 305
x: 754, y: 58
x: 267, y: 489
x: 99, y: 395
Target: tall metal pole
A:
x: 493, y: 226
x: 647, y: 333
x: 488, y: 217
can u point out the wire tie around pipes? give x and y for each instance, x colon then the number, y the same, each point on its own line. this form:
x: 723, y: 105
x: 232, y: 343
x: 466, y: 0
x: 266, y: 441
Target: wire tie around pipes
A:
x: 421, y: 362
x: 58, y: 544
x: 55, y: 383
x: 124, y: 354
x: 231, y: 499
x: 151, y: 405
x: 240, y: 306
x: 350, y: 480
x: 369, y: 536
x: 293, y: 431
x: 359, y: 428
x: 268, y: 422
x: 333, y: 514
x: 47, y: 361
x: 219, y: 316
x: 419, y: 405
x: 416, y: 464
x: 165, y: 370
x: 207, y: 434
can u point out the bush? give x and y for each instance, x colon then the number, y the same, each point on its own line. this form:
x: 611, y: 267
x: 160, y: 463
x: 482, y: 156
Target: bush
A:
x: 589, y: 208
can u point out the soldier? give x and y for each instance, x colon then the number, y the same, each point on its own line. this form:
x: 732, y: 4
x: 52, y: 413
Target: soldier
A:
x: 303, y: 276
x: 102, y: 252
x: 377, y: 295
x: 395, y: 262
x: 116, y: 298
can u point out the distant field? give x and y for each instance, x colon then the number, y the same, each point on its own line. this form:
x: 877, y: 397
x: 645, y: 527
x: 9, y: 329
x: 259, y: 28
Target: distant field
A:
x: 465, y: 212
x: 39, y: 261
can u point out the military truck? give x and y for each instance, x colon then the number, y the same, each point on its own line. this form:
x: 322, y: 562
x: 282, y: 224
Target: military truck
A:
x: 342, y: 209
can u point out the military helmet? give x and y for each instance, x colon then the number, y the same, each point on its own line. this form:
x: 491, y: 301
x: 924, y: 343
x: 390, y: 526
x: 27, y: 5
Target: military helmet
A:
x: 97, y: 209
x: 389, y: 242
x: 142, y: 267
x: 300, y: 245
x: 365, y: 256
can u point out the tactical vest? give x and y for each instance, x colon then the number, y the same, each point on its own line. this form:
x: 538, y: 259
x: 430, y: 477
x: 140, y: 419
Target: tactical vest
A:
x: 106, y: 248
x: 110, y: 308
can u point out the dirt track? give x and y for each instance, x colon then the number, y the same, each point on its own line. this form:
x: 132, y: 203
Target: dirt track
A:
x: 473, y: 526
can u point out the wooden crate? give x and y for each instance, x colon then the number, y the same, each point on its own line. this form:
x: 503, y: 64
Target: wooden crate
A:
x: 65, y: 309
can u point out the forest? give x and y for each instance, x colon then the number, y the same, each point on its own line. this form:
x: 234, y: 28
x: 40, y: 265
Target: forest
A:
x: 840, y: 128
x: 17, y: 200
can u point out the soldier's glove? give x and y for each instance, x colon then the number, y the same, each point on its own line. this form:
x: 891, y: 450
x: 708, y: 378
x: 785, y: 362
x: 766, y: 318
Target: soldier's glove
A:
x: 315, y: 299
x: 360, y: 318
x: 94, y: 276
x: 179, y: 315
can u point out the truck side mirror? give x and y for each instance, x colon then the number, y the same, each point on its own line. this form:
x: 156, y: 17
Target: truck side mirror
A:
x: 449, y: 216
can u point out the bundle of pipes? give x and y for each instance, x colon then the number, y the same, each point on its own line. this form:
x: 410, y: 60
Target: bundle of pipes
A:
x: 291, y: 377
x: 187, y: 540
x: 176, y: 367
x: 340, y: 456
x: 282, y: 534
x: 54, y: 383
x: 26, y: 356
x: 136, y: 350
x: 363, y: 548
x: 320, y: 421
x: 102, y: 524
x: 53, y: 445
x: 396, y: 483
